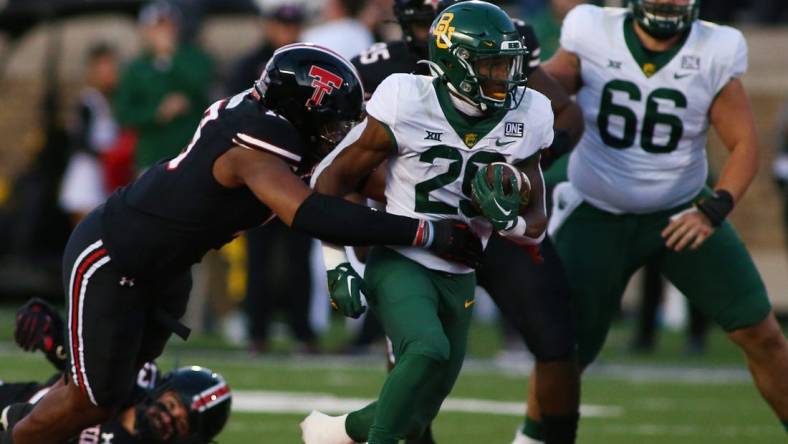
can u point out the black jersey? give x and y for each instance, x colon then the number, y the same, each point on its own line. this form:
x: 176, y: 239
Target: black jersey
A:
x: 167, y: 219
x: 383, y: 59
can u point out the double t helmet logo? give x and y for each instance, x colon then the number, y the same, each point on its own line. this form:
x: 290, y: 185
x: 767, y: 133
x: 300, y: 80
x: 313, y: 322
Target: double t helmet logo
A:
x: 324, y: 82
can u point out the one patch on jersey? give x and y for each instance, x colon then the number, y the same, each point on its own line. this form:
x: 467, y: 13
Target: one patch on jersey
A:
x: 514, y: 129
x: 690, y: 62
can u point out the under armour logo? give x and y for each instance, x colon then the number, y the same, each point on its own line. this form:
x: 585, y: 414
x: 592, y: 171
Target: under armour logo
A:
x: 106, y: 438
x: 612, y: 64
x: 433, y: 136
x: 325, y: 82
x: 126, y: 282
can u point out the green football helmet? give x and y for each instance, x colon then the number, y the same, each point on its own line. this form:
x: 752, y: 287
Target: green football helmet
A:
x: 663, y: 20
x: 477, y: 51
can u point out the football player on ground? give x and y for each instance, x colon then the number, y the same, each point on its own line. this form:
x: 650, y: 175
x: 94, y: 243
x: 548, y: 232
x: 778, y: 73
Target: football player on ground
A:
x: 532, y: 296
x: 126, y: 266
x: 176, y: 409
x: 650, y: 80
x: 435, y: 133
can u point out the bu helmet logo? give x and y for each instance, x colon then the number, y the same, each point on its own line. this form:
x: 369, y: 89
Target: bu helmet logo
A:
x: 324, y: 82
x: 443, y: 31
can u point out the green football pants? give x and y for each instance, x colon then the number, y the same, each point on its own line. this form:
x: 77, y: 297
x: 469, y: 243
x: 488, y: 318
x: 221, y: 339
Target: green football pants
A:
x: 426, y: 315
x: 601, y: 251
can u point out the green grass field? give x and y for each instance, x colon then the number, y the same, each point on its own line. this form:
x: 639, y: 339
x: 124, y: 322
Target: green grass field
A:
x: 662, y: 398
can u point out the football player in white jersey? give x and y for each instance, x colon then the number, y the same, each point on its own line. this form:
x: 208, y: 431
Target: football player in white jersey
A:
x: 435, y: 134
x: 651, y: 79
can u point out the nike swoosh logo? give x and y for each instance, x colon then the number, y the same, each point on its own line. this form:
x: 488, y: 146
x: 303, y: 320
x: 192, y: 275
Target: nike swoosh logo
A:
x: 350, y: 283
x: 505, y: 212
x: 499, y: 143
x: 469, y: 303
x: 678, y: 76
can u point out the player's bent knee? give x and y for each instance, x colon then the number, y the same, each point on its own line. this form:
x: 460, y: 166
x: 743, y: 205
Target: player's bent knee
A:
x: 764, y: 337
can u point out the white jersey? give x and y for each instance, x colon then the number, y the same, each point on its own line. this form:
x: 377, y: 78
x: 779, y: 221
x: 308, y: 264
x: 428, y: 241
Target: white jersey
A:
x: 438, y: 152
x: 643, y: 149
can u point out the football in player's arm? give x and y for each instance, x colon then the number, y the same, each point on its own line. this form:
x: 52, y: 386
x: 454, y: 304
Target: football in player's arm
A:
x: 528, y: 285
x: 435, y: 134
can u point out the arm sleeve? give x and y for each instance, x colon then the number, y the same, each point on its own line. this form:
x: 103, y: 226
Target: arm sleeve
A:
x: 335, y: 220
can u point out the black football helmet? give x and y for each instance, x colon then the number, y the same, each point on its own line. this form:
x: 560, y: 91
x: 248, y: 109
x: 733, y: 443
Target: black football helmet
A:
x: 205, y: 396
x: 316, y: 90
x: 410, y: 13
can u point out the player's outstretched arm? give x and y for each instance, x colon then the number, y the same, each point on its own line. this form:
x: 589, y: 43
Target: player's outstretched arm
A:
x: 564, y: 66
x: 334, y: 219
x: 569, y: 124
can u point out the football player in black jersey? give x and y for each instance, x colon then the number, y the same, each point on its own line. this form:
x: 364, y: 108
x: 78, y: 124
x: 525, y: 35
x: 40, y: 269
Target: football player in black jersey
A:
x: 168, y: 410
x: 126, y: 266
x: 531, y: 294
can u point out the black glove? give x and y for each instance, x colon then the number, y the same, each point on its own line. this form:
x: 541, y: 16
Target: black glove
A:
x: 454, y: 241
x: 39, y: 327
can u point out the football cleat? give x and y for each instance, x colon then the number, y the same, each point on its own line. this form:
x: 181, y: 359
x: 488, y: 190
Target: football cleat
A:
x: 319, y: 428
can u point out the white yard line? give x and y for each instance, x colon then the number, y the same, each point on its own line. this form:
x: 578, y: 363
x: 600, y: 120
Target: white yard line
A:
x: 299, y: 402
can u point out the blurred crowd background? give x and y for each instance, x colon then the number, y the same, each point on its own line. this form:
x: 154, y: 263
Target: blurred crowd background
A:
x: 93, y: 92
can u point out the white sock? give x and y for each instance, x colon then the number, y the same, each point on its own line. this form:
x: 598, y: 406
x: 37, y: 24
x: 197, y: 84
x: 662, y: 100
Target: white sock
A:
x: 319, y: 428
x: 520, y: 438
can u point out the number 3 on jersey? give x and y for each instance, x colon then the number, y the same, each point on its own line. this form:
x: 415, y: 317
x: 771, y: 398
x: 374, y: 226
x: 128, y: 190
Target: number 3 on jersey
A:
x: 652, y: 118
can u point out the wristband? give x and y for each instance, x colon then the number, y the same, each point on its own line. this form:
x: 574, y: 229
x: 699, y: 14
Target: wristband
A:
x: 717, y: 207
x: 333, y: 255
x: 517, y: 234
x: 517, y: 230
x: 425, y: 234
